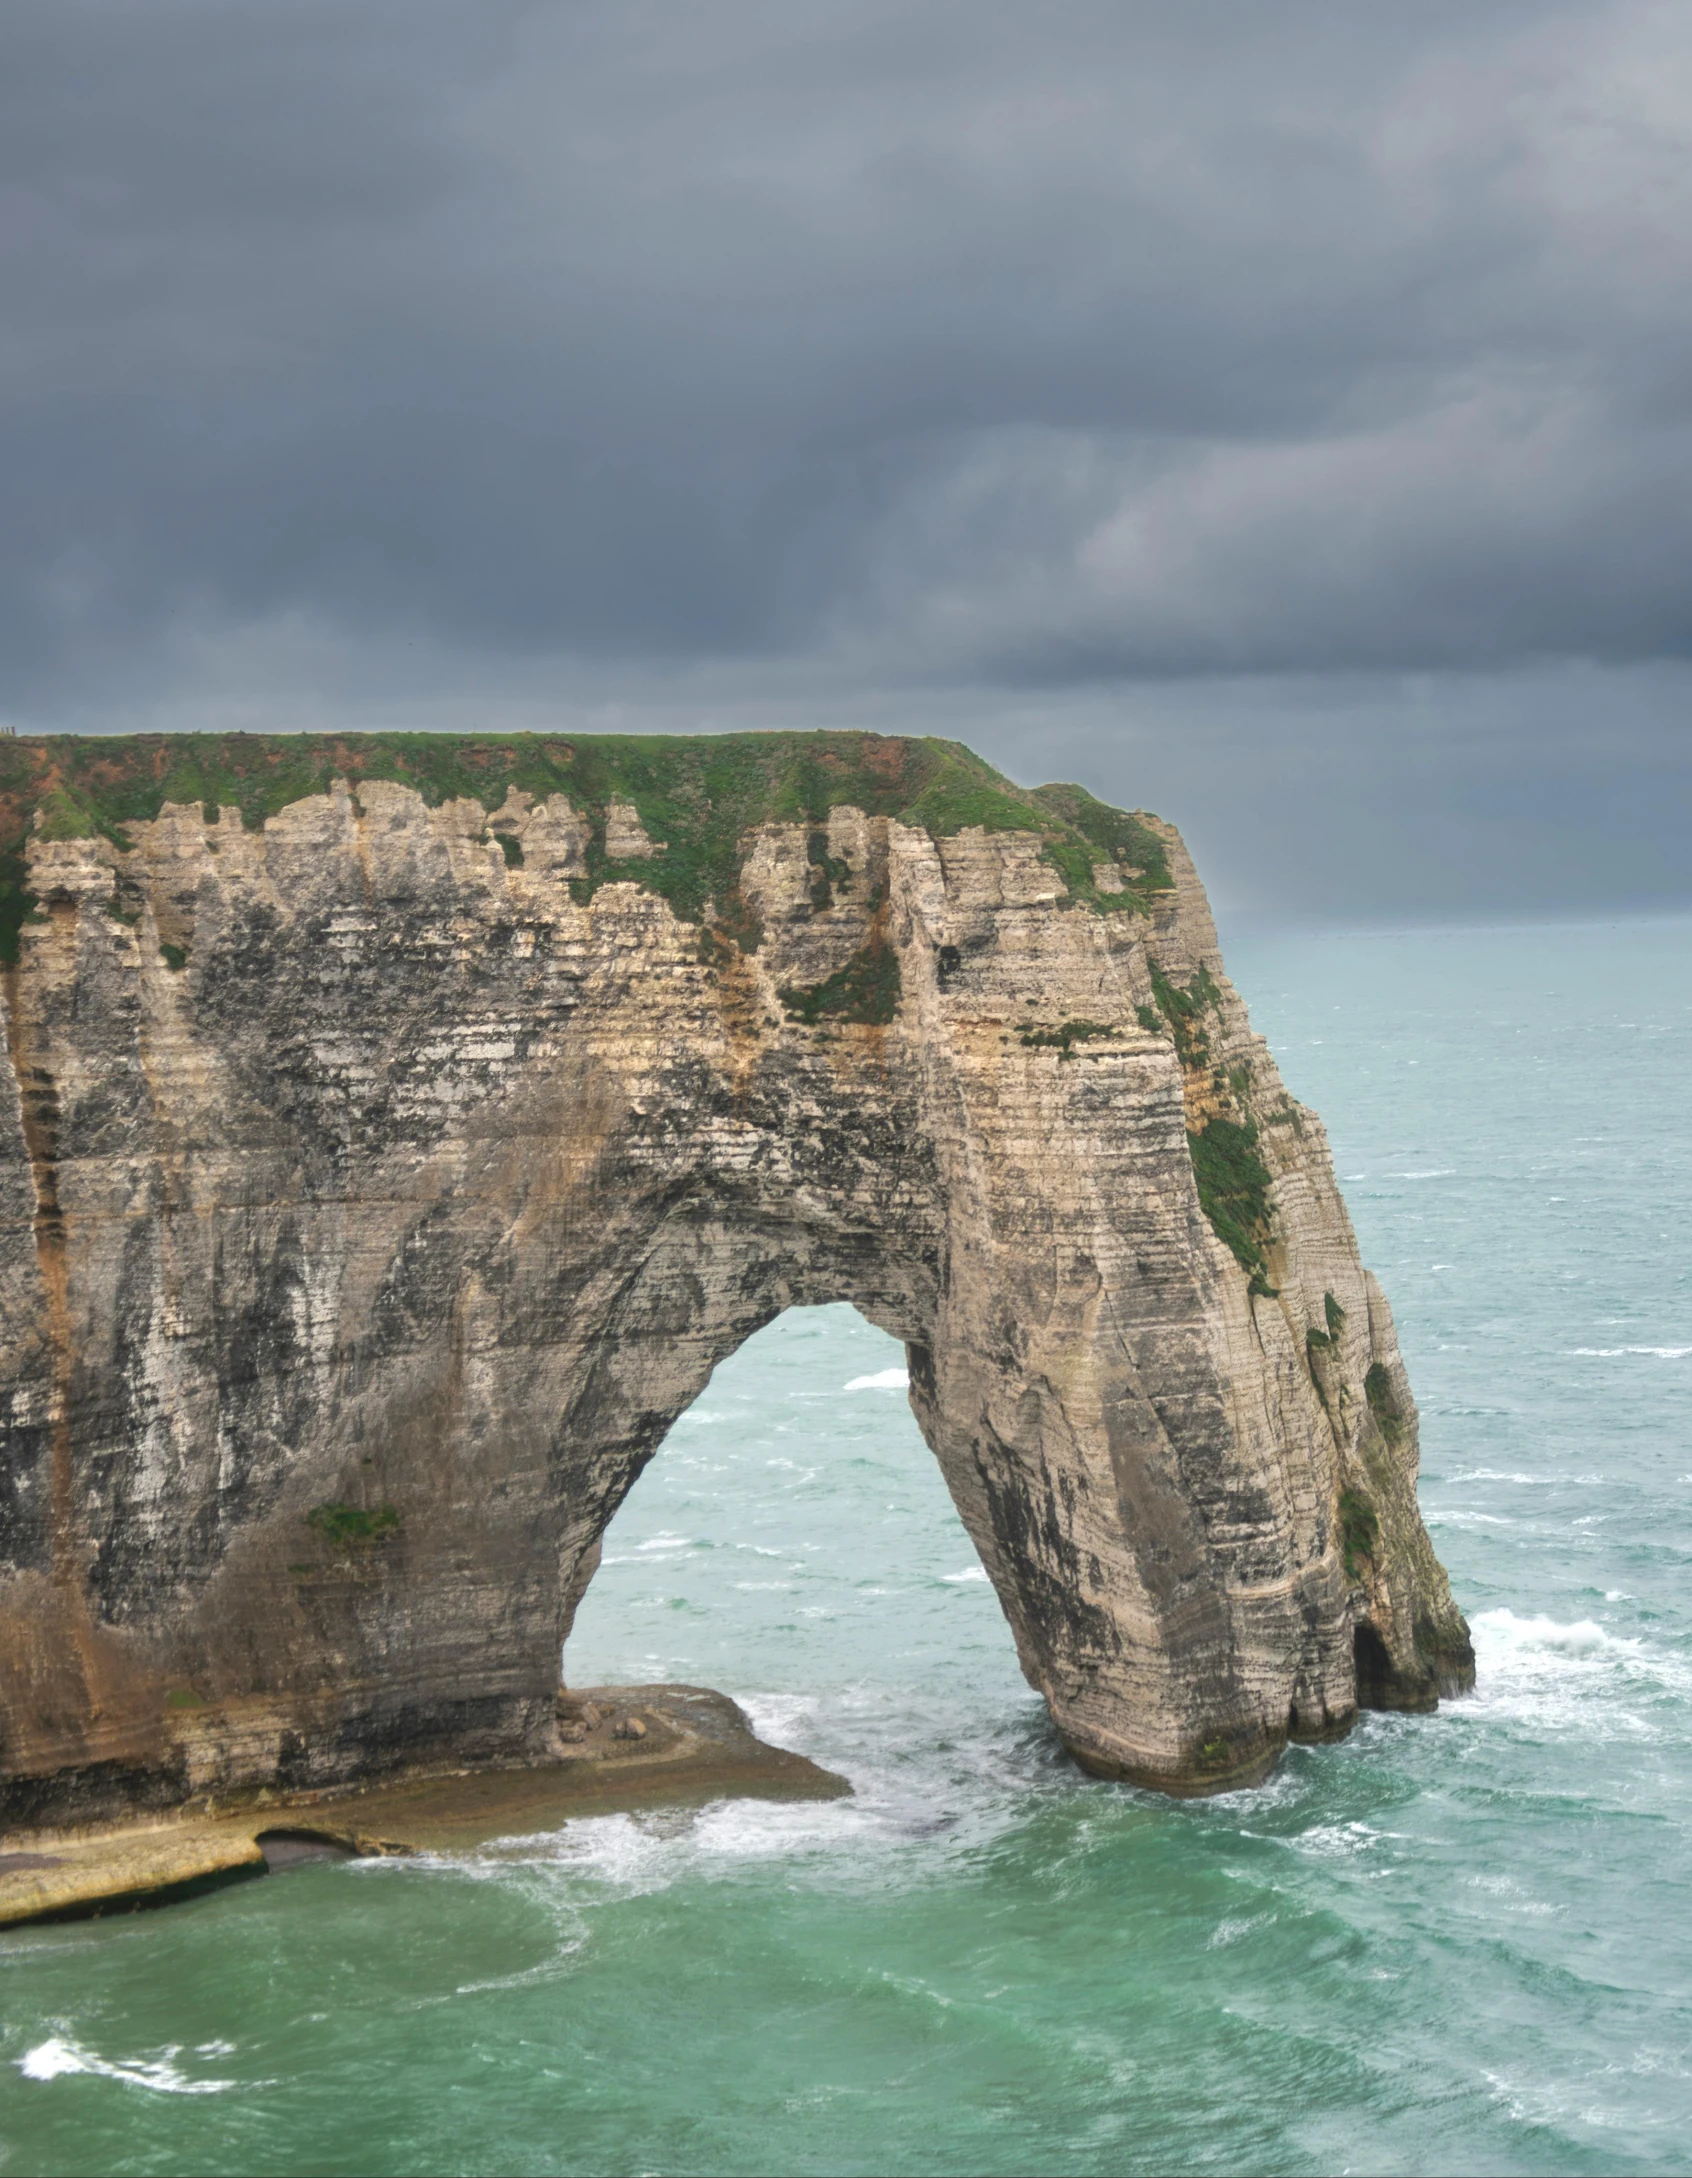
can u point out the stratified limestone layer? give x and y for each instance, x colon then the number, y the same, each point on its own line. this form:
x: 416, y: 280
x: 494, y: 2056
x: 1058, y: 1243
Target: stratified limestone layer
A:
x: 693, y: 1746
x: 74, y: 1879
x: 381, y: 1177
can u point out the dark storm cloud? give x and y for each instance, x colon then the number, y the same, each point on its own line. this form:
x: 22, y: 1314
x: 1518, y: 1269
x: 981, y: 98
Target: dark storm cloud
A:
x: 544, y: 349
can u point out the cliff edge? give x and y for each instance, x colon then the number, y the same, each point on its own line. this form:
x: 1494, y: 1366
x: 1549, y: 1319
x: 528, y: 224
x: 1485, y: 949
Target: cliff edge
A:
x: 397, y: 1130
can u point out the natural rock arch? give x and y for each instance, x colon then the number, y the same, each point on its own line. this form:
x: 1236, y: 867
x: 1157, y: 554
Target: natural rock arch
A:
x: 382, y: 1179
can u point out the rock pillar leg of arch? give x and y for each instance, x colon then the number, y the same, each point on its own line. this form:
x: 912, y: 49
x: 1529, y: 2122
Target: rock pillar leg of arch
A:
x: 1156, y: 1667
x: 1157, y: 1524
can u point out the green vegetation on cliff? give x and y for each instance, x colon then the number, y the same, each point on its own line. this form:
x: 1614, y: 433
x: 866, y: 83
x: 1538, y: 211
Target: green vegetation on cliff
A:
x: 345, y: 1527
x: 1383, y: 1403
x: 1233, y: 1192
x: 1234, y: 1184
x: 1184, y: 1010
x: 697, y: 796
x: 1360, y: 1531
x: 1106, y: 835
x: 1065, y: 1036
x: 865, y: 990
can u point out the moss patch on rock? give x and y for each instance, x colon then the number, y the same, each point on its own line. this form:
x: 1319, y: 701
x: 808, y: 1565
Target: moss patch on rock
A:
x: 1233, y: 1192
x: 1065, y: 1036
x: 1184, y: 1010
x: 347, y: 1527
x: 1360, y: 1531
x: 1383, y: 1403
x: 865, y: 990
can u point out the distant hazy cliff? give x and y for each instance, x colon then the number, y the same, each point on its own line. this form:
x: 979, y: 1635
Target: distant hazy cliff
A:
x: 397, y: 1131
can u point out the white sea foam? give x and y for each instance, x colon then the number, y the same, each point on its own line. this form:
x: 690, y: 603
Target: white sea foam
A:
x: 1656, y: 1353
x: 778, y: 1716
x: 1501, y: 1635
x: 60, y: 2055
x: 1543, y: 2103
x: 525, y: 1978
x: 1339, y: 1841
x: 1230, y: 1932
x: 636, y: 1856
x: 969, y: 1573
x: 1445, y: 1172
x: 1559, y: 1677
x: 772, y: 1829
x: 884, y: 1380
x: 1511, y: 1897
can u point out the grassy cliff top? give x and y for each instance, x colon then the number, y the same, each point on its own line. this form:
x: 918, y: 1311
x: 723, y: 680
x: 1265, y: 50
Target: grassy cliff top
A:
x: 697, y: 793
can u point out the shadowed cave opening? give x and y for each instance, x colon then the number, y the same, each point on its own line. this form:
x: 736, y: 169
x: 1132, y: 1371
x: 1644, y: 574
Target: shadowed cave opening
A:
x: 793, y: 1544
x: 1375, y: 1675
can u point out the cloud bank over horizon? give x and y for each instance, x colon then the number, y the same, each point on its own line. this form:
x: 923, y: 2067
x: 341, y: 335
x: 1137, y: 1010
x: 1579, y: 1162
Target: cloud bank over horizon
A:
x: 1281, y: 416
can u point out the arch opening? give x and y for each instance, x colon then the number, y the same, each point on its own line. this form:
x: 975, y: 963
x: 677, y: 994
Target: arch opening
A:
x: 794, y: 1542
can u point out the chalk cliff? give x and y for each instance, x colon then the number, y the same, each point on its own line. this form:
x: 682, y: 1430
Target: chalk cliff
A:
x: 396, y: 1132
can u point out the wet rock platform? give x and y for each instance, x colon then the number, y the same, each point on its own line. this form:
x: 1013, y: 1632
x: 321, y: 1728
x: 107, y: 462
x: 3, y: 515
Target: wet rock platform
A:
x: 624, y: 1749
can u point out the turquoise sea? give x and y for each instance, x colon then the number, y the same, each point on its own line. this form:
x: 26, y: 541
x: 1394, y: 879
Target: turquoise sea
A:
x: 1453, y: 1944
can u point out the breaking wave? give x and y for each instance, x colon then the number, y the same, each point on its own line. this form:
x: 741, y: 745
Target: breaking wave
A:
x: 60, y: 2056
x: 1501, y: 1635
x: 1559, y: 1676
x: 1611, y: 1353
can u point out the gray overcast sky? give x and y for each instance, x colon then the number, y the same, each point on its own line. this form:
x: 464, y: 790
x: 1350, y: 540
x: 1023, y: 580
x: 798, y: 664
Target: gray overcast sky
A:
x: 1275, y: 412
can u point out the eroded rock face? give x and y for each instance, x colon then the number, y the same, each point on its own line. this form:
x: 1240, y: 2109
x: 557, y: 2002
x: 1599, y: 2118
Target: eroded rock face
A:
x: 371, y: 1205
